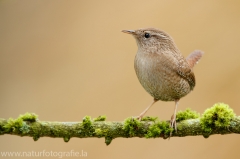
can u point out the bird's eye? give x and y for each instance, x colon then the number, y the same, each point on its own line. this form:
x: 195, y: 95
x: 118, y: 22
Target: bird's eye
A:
x: 147, y: 35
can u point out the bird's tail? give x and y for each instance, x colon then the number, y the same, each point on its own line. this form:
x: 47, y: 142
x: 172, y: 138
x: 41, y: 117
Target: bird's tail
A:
x: 194, y: 57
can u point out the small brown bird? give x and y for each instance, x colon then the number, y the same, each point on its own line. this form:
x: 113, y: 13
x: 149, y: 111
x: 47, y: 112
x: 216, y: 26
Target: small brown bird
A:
x: 161, y: 69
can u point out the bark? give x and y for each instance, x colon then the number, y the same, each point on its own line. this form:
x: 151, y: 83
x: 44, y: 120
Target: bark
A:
x: 89, y: 128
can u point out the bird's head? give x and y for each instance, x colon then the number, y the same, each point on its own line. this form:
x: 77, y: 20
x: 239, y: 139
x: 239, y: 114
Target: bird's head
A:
x: 152, y: 39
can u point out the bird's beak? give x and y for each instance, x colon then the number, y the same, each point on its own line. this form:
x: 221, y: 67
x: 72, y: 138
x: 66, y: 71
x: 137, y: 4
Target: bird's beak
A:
x: 129, y: 31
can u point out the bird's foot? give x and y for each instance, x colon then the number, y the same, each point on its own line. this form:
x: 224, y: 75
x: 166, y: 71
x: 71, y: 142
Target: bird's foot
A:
x: 173, y: 124
x: 139, y: 117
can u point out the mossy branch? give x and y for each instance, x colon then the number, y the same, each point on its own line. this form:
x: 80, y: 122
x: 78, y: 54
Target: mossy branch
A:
x: 219, y: 119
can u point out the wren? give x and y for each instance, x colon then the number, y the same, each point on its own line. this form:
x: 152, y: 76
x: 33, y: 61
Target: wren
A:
x: 161, y: 69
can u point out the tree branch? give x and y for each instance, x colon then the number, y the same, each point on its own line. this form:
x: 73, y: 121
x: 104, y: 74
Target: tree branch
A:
x: 219, y: 119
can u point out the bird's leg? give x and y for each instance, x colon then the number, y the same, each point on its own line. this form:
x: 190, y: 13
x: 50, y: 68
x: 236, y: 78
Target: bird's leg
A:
x: 173, y: 120
x: 144, y: 112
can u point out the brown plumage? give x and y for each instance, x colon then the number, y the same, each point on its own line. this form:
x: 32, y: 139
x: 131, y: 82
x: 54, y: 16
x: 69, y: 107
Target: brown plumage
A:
x: 160, y: 67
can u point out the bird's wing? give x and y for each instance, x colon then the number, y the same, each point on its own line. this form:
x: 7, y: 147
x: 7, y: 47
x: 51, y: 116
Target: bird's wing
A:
x: 180, y: 65
x: 194, y: 57
x: 186, y: 72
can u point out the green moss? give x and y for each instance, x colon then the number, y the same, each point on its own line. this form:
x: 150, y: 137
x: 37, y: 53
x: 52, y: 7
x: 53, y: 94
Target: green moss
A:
x: 108, y: 140
x: 186, y: 114
x: 13, y: 125
x: 35, y: 130
x: 25, y: 128
x: 19, y: 125
x: 1, y: 128
x: 99, y: 132
x: 66, y: 138
x: 104, y: 133
x: 36, y: 137
x: 131, y: 126
x: 86, y: 127
x: 148, y: 118
x: 159, y: 128
x: 28, y: 117
x: 87, y: 122
x: 218, y: 116
x: 100, y: 118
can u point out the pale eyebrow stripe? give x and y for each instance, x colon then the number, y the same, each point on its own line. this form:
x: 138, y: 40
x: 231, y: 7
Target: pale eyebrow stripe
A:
x: 162, y: 35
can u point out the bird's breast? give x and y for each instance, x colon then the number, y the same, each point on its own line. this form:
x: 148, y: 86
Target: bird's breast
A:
x: 158, y: 77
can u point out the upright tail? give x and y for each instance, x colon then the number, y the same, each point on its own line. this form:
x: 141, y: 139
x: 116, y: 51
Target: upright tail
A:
x: 194, y: 57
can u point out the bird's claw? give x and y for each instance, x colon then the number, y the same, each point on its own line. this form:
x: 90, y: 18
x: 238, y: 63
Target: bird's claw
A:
x: 139, y: 118
x: 173, y: 124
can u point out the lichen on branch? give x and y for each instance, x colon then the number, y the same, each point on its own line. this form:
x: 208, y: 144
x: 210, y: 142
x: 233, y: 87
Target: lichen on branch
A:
x: 219, y: 119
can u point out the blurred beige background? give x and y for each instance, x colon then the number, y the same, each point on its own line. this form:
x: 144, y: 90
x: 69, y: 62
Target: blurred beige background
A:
x: 66, y: 59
